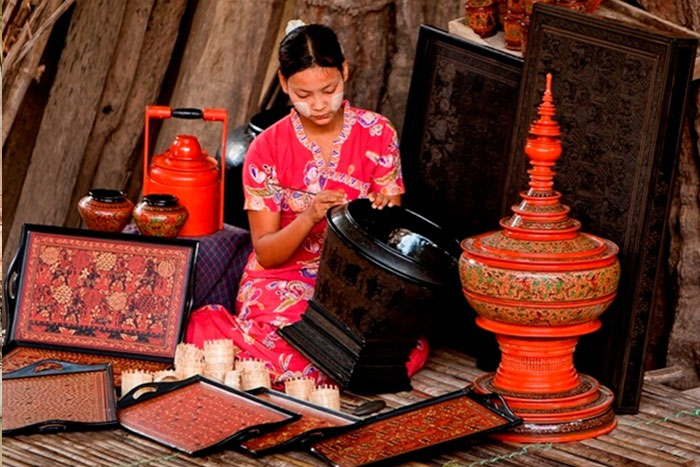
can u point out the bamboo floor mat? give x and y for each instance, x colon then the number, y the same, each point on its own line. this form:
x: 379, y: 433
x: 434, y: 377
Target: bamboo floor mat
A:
x: 665, y: 432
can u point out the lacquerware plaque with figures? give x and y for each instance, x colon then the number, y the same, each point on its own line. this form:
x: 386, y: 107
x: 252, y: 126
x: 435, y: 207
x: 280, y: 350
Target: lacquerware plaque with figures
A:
x: 107, y: 294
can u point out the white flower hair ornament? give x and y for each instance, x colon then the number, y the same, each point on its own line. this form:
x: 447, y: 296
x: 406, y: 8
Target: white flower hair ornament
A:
x: 292, y: 25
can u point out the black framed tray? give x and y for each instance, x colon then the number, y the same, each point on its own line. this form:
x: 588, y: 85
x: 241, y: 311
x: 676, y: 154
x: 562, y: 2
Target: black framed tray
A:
x: 197, y: 415
x: 105, y: 294
x: 390, y: 436
x: 52, y: 395
x: 316, y: 423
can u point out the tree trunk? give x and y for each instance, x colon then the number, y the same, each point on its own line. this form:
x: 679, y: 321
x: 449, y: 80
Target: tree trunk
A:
x: 69, y: 116
x: 223, y: 66
x: 410, y: 14
x: 145, y: 47
x: 15, y: 84
x: 684, y: 342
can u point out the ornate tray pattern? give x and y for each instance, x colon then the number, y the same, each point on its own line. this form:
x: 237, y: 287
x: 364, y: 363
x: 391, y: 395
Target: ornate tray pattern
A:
x: 198, y: 414
x: 62, y: 396
x: 102, y: 293
x: 418, y: 426
x: 314, y: 421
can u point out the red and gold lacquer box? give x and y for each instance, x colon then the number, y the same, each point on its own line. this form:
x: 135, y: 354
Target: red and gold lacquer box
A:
x: 92, y: 297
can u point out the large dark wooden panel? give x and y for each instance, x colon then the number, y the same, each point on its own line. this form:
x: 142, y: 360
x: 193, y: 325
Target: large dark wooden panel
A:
x: 454, y: 150
x: 457, y: 132
x: 620, y: 94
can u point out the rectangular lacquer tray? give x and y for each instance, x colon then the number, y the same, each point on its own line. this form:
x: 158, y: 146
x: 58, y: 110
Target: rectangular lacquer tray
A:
x: 197, y: 415
x: 110, y: 295
x: 52, y: 395
x: 316, y: 423
x: 427, y: 424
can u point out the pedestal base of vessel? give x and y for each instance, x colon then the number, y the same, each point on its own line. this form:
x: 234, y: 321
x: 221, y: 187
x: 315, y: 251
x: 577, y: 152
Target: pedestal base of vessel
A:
x: 537, y: 378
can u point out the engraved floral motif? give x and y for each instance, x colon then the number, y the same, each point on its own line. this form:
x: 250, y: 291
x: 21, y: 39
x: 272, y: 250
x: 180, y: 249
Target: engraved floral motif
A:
x: 580, y: 243
x: 538, y: 286
x: 538, y: 315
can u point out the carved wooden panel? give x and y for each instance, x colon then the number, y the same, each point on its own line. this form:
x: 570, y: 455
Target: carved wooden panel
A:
x: 620, y: 93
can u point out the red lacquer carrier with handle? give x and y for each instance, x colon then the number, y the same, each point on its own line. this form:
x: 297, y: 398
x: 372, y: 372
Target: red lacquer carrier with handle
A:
x: 187, y: 172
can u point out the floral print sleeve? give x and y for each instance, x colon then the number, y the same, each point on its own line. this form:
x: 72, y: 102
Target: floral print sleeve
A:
x: 386, y: 177
x: 261, y: 188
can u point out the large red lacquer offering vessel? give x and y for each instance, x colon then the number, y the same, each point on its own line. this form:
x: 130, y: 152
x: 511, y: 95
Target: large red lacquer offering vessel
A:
x: 539, y: 284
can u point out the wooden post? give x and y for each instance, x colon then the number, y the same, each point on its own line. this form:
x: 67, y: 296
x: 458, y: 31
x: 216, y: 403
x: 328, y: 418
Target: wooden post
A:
x: 15, y: 84
x: 223, y: 66
x: 111, y: 106
x: 69, y: 116
x: 145, y: 46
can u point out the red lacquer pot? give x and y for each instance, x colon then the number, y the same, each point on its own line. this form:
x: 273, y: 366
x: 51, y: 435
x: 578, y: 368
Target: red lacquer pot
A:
x: 106, y: 210
x: 482, y: 16
x: 539, y: 284
x: 160, y: 215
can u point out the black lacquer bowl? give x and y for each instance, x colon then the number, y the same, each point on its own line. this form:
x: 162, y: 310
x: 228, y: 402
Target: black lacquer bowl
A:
x: 382, y: 271
x: 381, y: 281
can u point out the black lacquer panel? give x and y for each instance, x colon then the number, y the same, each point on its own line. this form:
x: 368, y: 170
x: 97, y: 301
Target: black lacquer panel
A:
x: 620, y: 93
x: 457, y: 132
x: 455, y: 148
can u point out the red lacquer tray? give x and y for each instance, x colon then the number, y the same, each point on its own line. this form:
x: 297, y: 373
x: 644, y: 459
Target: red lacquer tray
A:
x: 20, y: 357
x: 52, y: 395
x: 197, y: 415
x: 104, y: 294
x: 392, y: 435
x: 316, y: 423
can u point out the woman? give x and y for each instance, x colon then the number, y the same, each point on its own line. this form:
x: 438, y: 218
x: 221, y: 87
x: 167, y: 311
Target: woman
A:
x: 323, y: 154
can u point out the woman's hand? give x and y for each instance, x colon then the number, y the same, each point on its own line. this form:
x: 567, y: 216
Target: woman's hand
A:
x: 323, y: 201
x: 379, y: 200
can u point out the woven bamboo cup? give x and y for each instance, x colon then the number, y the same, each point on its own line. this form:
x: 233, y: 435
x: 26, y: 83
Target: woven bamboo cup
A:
x: 133, y: 378
x: 301, y: 388
x: 255, y: 379
x: 165, y: 376
x: 326, y: 396
x: 233, y: 379
x: 218, y: 358
x: 189, y: 360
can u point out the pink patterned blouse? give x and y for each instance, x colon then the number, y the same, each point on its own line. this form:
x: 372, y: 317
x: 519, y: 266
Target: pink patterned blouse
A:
x: 282, y: 170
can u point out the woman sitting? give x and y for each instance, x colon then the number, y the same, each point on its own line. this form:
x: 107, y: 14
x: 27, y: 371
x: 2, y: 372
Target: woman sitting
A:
x: 323, y: 154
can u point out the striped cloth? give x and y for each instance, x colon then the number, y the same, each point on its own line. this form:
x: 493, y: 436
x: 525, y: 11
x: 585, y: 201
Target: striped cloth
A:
x: 222, y: 258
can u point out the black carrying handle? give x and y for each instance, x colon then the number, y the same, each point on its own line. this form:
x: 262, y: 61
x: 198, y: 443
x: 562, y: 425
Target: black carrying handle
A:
x: 50, y: 367
x: 187, y: 113
x: 128, y: 399
x: 10, y: 289
x: 499, y: 405
x: 53, y: 426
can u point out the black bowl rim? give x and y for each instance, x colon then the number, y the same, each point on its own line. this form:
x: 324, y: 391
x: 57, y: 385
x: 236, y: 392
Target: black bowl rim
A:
x: 392, y: 251
x: 107, y: 195
x: 161, y: 200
